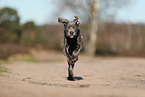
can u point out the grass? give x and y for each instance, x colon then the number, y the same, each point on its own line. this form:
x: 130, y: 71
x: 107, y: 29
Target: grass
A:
x: 3, y: 69
x: 31, y: 59
x: 18, y: 57
x: 23, y: 57
x: 2, y: 61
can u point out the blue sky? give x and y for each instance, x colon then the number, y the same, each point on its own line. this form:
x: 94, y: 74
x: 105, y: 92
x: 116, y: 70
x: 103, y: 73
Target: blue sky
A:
x: 40, y: 11
x: 134, y: 12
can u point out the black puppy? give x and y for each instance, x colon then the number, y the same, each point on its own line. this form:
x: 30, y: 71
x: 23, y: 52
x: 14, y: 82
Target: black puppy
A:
x: 72, y: 43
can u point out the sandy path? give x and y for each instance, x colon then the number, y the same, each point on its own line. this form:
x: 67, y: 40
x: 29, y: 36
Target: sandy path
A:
x: 102, y: 77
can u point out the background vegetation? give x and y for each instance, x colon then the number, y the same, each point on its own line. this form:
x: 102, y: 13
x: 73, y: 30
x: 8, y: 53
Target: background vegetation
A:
x: 125, y: 39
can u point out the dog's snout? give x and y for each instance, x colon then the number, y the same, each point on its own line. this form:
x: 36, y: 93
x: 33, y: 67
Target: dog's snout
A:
x: 71, y: 32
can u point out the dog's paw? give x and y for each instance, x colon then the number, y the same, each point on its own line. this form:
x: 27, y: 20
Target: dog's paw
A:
x: 71, y: 78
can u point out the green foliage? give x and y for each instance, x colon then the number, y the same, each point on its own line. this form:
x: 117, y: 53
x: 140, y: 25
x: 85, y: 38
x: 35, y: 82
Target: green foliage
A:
x: 40, y: 39
x: 32, y: 34
x: 8, y: 16
x: 10, y: 30
x: 29, y: 25
x: 34, y: 39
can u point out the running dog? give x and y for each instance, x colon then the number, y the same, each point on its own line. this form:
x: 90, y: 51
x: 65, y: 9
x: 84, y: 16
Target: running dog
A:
x: 72, y: 43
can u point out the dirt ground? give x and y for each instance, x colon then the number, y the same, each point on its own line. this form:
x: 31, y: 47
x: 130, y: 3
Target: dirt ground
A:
x: 95, y: 77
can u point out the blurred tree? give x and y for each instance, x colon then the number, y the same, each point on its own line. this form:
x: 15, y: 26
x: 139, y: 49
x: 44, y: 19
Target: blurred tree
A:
x: 29, y: 32
x: 29, y: 29
x: 91, y: 12
x: 29, y: 25
x: 9, y: 25
x: 32, y: 34
x: 8, y: 16
x: 90, y: 47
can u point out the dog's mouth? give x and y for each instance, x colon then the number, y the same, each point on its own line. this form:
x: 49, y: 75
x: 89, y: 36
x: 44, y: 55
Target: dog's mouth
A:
x: 71, y: 36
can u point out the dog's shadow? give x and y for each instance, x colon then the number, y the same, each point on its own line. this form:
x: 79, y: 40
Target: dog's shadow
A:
x: 77, y: 78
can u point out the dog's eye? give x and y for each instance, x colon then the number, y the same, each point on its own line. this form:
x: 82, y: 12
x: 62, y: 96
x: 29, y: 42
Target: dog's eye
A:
x: 73, y: 27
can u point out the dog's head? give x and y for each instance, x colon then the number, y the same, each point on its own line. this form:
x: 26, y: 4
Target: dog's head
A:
x: 70, y: 27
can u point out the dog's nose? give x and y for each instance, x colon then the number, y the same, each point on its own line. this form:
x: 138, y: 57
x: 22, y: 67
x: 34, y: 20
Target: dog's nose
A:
x: 71, y: 32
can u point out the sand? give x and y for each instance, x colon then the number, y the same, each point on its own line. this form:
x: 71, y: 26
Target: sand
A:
x: 95, y: 77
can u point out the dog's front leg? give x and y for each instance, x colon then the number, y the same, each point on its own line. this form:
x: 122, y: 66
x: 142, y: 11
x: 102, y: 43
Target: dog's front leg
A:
x: 77, y: 51
x: 70, y: 63
x: 70, y: 72
x: 66, y: 53
x: 79, y: 47
x: 66, y: 50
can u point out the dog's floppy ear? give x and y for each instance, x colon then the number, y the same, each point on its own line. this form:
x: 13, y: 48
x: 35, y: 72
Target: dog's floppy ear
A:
x: 76, y: 20
x: 62, y: 20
